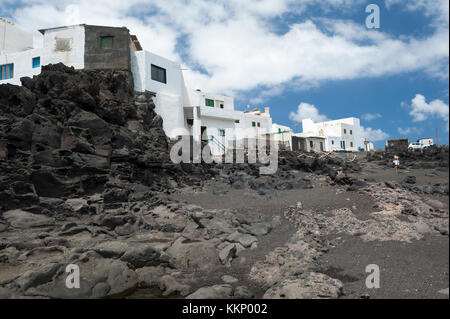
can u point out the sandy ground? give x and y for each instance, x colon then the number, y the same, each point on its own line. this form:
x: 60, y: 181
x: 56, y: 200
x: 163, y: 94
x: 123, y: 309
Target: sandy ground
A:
x: 419, y: 269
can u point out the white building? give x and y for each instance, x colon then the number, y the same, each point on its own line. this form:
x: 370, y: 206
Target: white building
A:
x: 185, y: 111
x: 17, y: 56
x: 344, y: 134
x: 282, y: 135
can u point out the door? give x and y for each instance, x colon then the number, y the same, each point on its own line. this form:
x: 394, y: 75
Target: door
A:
x: 321, y: 146
x: 203, y: 134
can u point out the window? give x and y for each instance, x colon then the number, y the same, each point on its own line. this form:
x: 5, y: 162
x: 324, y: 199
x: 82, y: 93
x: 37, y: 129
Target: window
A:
x: 36, y: 62
x: 6, y: 71
x: 253, y: 124
x: 62, y: 44
x: 221, y: 132
x: 209, y: 102
x: 351, y: 132
x: 345, y: 131
x: 106, y: 42
x: 221, y: 105
x: 279, y: 130
x: 311, y: 144
x: 351, y: 144
x: 259, y: 124
x: 158, y: 74
x: 332, y: 142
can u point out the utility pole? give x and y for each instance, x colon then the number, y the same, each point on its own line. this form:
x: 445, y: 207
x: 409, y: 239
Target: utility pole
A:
x: 437, y: 137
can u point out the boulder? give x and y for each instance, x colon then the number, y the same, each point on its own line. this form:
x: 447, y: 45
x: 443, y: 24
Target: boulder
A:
x: 212, y: 292
x: 244, y: 239
x: 307, y: 286
x: 195, y: 254
x: 21, y: 219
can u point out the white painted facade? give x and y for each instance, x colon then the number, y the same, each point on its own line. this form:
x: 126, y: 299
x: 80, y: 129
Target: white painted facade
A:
x: 282, y: 135
x: 22, y: 59
x: 343, y: 134
x: 74, y: 36
x: 13, y: 39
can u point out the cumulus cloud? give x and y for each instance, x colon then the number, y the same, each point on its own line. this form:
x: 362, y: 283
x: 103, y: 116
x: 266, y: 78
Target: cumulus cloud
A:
x: 370, y: 116
x: 421, y: 110
x: 233, y: 46
x: 373, y: 135
x: 307, y: 111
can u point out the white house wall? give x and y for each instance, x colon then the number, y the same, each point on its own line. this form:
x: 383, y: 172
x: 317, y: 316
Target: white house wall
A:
x: 12, y: 39
x: 74, y: 57
x: 169, y: 96
x: 23, y: 65
x: 246, y: 130
x: 212, y: 129
x: 337, y: 131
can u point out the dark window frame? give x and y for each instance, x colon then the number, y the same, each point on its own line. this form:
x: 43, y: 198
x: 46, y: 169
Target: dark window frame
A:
x: 209, y: 102
x: 221, y: 131
x: 104, y: 45
x: 7, y: 71
x: 63, y: 44
x: 36, y: 65
x: 155, y: 76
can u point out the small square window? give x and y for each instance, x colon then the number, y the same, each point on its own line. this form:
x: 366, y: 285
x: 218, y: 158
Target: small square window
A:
x: 259, y: 124
x: 62, y: 44
x: 351, y: 132
x: 6, y: 71
x: 254, y: 124
x: 345, y: 131
x: 221, y: 132
x: 36, y: 62
x: 351, y: 144
x: 107, y: 42
x: 158, y: 74
x: 221, y: 105
x: 209, y: 102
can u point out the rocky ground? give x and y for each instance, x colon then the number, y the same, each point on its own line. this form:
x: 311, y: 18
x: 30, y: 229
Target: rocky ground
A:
x: 86, y: 179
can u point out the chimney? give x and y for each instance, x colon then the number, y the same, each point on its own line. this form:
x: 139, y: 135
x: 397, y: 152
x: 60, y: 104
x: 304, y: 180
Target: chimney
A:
x: 267, y: 110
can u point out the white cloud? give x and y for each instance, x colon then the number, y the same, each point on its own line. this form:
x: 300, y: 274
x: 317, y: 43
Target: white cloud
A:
x: 409, y: 130
x: 305, y: 111
x: 370, y: 116
x: 373, y: 135
x: 241, y: 49
x: 421, y: 110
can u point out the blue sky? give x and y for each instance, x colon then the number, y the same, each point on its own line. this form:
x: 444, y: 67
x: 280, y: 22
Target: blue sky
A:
x: 303, y: 58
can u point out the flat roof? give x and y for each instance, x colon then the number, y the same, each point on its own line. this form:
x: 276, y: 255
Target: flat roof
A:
x: 42, y: 31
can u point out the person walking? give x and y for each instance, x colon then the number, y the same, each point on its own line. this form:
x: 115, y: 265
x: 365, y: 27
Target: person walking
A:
x: 396, y: 162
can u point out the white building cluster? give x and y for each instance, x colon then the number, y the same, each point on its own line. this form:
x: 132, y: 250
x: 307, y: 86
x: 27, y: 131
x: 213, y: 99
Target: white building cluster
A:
x: 185, y: 111
x: 338, y: 135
